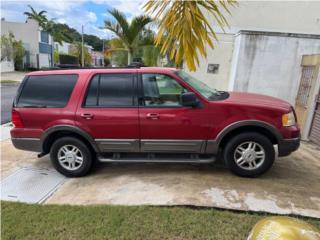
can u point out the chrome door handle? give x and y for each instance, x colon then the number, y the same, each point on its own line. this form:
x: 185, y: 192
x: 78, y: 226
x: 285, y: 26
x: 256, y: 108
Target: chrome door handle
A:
x: 87, y: 115
x: 153, y: 116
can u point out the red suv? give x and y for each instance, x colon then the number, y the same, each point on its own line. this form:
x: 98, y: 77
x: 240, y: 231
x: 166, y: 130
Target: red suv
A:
x: 147, y: 115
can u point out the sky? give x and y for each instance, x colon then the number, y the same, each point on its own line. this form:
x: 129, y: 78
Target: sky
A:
x: 90, y: 13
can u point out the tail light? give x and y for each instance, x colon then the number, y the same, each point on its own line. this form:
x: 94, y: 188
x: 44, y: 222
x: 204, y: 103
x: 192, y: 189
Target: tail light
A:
x: 16, y: 119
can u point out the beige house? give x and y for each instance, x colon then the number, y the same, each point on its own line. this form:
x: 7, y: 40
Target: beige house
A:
x: 264, y: 51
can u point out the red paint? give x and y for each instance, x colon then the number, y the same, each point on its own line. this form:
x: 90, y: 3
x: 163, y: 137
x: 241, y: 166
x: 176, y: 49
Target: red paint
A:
x: 151, y: 123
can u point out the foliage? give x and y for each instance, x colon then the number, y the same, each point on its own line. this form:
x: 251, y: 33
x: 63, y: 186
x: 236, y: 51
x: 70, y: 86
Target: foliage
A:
x: 58, y: 34
x: 2, y: 81
x: 76, y: 50
x: 6, y: 47
x: 150, y: 55
x: 93, y: 41
x: 106, y: 61
x: 119, y: 58
x: 55, y: 57
x: 72, y: 33
x: 49, y: 26
x: 40, y: 17
x: 62, y: 32
x: 75, y: 36
x: 68, y: 59
x: 12, y: 49
x: 18, y: 54
x: 127, y: 32
x: 184, y: 30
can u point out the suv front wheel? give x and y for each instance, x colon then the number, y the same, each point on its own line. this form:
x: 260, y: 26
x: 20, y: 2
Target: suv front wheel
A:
x: 249, y: 154
x: 71, y: 157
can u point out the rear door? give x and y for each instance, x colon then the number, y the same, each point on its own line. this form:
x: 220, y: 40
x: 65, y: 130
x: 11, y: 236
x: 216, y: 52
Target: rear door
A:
x: 109, y: 112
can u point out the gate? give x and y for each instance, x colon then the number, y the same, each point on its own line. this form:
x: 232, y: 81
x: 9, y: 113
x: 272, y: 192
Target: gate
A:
x: 315, y: 126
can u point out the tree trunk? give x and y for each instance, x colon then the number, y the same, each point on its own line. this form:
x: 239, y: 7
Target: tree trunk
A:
x: 130, y: 54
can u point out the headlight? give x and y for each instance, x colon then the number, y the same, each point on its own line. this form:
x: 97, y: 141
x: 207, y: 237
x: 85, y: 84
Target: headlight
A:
x: 288, y: 119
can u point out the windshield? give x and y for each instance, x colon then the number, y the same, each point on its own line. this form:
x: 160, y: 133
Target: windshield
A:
x: 201, y: 87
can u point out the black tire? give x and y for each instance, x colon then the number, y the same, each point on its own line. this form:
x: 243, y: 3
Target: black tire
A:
x: 234, y: 142
x: 85, y: 152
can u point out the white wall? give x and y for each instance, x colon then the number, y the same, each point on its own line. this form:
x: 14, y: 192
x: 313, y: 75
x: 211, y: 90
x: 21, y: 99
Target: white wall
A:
x: 274, y: 16
x: 64, y: 48
x: 6, y: 66
x: 270, y: 64
x: 44, y: 60
x: 222, y: 55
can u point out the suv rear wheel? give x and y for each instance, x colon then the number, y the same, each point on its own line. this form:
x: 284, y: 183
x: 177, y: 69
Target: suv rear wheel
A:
x: 71, y: 157
x: 249, y: 154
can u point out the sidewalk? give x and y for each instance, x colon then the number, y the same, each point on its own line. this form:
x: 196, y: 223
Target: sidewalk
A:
x: 15, y: 76
x: 5, y: 131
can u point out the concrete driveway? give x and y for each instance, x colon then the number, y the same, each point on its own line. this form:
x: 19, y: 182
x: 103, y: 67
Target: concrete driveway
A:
x: 290, y: 187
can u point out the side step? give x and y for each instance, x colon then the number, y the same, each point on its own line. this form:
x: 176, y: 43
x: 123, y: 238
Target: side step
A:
x: 152, y: 158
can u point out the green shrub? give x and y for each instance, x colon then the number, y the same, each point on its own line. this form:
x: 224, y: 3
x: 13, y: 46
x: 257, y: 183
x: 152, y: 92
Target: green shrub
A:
x: 107, y: 61
x: 68, y: 59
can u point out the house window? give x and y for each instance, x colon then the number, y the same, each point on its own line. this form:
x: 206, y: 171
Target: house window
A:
x: 44, y: 37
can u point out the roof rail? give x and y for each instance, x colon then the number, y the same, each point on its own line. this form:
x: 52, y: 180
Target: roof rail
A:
x: 77, y: 67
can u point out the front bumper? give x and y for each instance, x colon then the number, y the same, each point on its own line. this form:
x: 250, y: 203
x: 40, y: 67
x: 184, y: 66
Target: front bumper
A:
x: 27, y: 144
x: 287, y: 146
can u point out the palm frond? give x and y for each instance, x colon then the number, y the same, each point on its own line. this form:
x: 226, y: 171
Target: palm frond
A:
x: 184, y: 30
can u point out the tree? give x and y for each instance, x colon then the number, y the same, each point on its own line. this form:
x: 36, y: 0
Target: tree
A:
x: 115, y: 50
x: 76, y: 50
x: 40, y: 17
x: 184, y: 30
x: 6, y: 48
x: 49, y: 26
x: 58, y: 34
x: 127, y: 32
x: 18, y: 54
x: 11, y: 49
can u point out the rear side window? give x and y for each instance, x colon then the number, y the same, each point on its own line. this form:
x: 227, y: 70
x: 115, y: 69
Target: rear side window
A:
x: 52, y: 91
x: 111, y: 90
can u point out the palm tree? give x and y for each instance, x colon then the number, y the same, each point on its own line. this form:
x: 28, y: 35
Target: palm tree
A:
x: 127, y: 32
x: 59, y: 34
x: 40, y: 17
x: 184, y: 30
x: 49, y: 26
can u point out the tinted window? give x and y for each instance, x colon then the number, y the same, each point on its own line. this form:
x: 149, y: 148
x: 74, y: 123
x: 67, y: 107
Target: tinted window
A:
x: 47, y: 91
x: 92, y: 95
x: 161, y: 90
x: 110, y: 90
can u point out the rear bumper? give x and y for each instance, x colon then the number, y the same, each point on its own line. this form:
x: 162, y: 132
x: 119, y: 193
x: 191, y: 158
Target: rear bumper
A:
x: 287, y: 146
x: 27, y: 144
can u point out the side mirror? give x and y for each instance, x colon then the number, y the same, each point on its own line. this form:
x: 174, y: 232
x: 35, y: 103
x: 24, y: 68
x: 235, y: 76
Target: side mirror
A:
x: 189, y: 99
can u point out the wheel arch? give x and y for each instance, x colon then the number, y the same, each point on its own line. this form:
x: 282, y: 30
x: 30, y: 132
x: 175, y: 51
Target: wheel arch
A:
x: 233, y: 129
x: 51, y: 134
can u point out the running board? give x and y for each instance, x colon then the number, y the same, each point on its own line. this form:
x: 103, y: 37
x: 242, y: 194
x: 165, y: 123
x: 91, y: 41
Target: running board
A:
x: 156, y: 160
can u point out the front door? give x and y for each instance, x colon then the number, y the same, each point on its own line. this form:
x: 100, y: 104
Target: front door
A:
x: 109, y: 112
x: 166, y: 125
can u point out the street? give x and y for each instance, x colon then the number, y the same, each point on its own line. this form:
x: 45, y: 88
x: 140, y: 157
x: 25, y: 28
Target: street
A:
x: 8, y: 92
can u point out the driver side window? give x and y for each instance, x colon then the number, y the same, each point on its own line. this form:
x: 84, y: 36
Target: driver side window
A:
x: 161, y: 90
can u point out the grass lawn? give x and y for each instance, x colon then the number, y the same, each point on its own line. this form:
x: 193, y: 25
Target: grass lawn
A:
x: 23, y: 221
x: 8, y: 81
